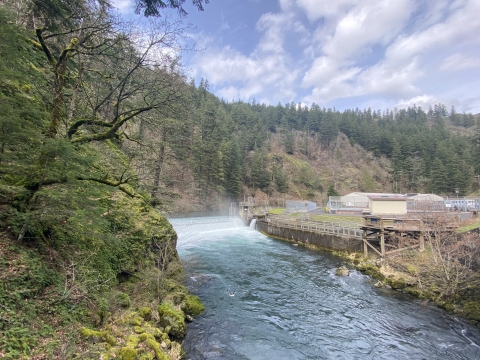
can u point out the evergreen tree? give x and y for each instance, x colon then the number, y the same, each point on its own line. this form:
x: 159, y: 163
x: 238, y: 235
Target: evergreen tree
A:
x: 397, y: 165
x: 438, y: 178
x: 280, y: 179
x: 259, y: 170
x: 329, y: 128
x: 289, y: 142
x: 332, y: 192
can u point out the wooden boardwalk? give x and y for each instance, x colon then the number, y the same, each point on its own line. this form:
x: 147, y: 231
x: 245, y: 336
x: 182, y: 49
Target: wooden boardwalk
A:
x: 345, y: 229
x: 378, y: 233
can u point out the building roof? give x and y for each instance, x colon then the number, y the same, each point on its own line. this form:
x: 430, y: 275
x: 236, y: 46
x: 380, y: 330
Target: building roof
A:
x: 424, y: 197
x: 387, y: 197
x: 368, y: 194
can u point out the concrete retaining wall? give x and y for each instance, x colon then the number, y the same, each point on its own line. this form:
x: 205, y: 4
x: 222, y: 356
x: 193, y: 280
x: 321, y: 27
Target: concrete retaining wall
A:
x: 332, y: 242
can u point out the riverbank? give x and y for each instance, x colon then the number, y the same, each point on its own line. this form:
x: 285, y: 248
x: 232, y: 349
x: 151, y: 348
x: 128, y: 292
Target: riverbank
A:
x: 410, y: 275
x: 107, y: 292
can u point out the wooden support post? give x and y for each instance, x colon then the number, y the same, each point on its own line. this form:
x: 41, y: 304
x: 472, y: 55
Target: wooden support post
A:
x: 422, y: 241
x: 382, y: 238
x: 365, y: 247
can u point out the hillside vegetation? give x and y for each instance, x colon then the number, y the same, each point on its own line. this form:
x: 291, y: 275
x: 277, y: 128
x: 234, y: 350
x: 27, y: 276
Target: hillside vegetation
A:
x: 88, y: 267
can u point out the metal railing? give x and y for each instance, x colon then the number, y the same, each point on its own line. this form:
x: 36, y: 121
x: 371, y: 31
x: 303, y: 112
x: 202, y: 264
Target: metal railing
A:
x: 345, y: 229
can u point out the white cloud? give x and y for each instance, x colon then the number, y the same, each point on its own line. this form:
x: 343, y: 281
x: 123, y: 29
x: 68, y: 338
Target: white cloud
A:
x: 405, y: 47
x: 376, y: 52
x: 124, y: 6
x: 367, y: 25
x: 456, y: 29
x: 459, y: 61
x: 422, y: 100
x: 268, y: 68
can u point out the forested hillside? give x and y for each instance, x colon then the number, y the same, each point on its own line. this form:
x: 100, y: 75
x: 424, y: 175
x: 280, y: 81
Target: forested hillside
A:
x: 219, y: 151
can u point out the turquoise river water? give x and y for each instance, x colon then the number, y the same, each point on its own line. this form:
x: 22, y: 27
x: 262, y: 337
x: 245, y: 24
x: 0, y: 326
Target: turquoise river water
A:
x: 268, y: 299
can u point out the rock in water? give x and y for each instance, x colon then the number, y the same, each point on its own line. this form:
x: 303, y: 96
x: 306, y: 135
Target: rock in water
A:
x: 342, y: 271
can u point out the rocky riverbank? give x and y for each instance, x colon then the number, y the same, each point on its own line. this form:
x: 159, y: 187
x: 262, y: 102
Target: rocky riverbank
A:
x: 403, y: 275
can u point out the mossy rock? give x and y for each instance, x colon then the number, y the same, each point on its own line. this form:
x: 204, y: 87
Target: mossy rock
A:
x: 162, y: 337
x: 138, y: 330
x: 147, y: 356
x: 155, y: 346
x: 176, y: 291
x: 135, y: 321
x: 396, y: 283
x: 127, y: 353
x: 192, y: 305
x: 342, y: 271
x: 371, y: 270
x: 173, y: 321
x: 471, y: 311
x: 414, y: 291
x: 145, y: 312
x: 104, y: 335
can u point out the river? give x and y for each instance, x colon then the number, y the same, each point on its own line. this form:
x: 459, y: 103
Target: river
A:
x: 268, y: 299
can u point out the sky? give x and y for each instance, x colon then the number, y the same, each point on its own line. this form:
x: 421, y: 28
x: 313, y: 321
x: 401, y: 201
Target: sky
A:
x: 338, y: 53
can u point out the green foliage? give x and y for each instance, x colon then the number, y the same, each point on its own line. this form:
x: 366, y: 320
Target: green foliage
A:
x: 192, y: 305
x: 367, y: 183
x: 172, y: 320
x: 332, y: 192
x: 259, y: 170
x: 471, y: 311
x: 280, y: 179
x: 289, y: 142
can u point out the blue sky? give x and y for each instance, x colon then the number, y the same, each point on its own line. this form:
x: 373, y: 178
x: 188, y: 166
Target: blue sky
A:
x: 338, y: 53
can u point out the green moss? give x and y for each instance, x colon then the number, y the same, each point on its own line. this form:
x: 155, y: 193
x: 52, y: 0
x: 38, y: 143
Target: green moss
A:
x: 147, y: 356
x: 371, y: 270
x: 123, y: 300
x: 104, y: 335
x: 127, y: 353
x: 138, y: 330
x: 176, y: 291
x: 145, y: 312
x: 192, y: 305
x: 172, y: 320
x: 155, y: 346
x: 412, y: 269
x: 414, y: 291
x: 145, y: 336
x: 132, y: 341
x: 396, y: 283
x: 471, y: 311
x: 161, y: 337
x: 135, y: 321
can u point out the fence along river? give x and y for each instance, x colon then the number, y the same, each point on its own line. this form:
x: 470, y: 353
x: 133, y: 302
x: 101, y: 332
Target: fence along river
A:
x: 268, y: 299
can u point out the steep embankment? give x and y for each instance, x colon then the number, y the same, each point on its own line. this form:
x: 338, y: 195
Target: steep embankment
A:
x: 88, y: 268
x: 118, y: 293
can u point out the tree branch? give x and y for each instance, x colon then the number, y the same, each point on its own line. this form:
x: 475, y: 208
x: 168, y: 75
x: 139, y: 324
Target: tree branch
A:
x: 46, y: 50
x: 120, y: 185
x: 74, y: 128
